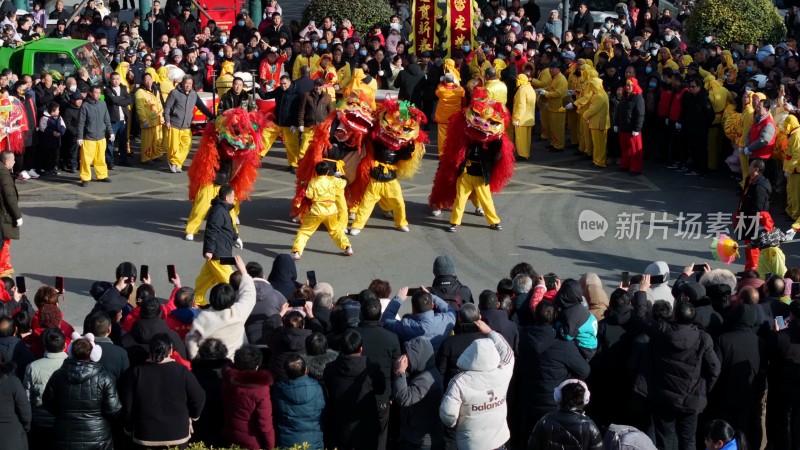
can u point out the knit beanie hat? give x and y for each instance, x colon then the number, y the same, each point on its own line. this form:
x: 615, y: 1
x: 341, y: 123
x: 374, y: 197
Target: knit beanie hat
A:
x: 444, y: 265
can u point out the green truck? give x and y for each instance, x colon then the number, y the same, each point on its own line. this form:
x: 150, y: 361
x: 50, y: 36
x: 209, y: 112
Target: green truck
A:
x: 60, y: 58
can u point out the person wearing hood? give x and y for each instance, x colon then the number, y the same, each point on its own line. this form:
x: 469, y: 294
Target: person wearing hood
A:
x: 630, y: 121
x: 451, y: 100
x: 297, y: 406
x: 659, y: 282
x: 149, y: 325
x: 791, y: 168
x: 742, y: 376
x: 746, y: 121
x: 150, y: 112
x: 418, y: 391
x: 596, y: 114
x: 83, y: 398
x: 544, y: 362
x: 226, y: 318
x: 352, y: 383
x: 283, y: 276
x: 218, y: 242
x: 719, y: 97
x: 524, y: 116
x: 569, y: 424
x: 574, y: 320
x: 684, y: 369
x: 609, y: 379
x: 554, y: 95
x: 595, y: 296
x: 475, y: 402
x: 754, y: 201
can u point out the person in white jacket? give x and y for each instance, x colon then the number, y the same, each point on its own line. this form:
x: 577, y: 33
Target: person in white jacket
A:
x: 475, y: 401
x: 226, y: 317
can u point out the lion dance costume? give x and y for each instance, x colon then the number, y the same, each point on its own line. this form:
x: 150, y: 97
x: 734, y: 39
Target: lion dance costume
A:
x: 13, y: 124
x: 229, y: 153
x: 479, y: 161
x: 394, y: 153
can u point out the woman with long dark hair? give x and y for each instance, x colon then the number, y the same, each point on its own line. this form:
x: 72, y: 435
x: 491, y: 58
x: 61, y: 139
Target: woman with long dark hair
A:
x: 721, y: 436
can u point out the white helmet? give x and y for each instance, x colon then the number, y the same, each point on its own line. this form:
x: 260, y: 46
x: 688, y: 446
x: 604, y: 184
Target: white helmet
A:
x: 761, y: 80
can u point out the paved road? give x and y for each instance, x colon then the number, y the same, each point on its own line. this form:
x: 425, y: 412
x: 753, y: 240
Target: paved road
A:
x: 83, y: 233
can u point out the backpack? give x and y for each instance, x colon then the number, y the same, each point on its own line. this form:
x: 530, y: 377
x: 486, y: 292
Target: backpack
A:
x: 624, y: 437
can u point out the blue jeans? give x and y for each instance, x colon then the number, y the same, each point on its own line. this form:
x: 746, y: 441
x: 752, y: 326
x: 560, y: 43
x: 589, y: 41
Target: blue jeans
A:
x: 120, y: 131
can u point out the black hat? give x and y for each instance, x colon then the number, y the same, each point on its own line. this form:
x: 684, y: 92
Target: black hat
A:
x: 458, y: 54
x: 248, y: 50
x: 78, y: 96
x: 425, y: 54
x: 131, y: 52
x: 693, y: 290
x: 694, y: 65
x: 98, y: 287
x: 186, y: 8
x: 555, y: 64
x: 61, y: 22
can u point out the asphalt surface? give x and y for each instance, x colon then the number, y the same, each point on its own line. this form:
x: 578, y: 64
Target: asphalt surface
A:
x: 83, y: 233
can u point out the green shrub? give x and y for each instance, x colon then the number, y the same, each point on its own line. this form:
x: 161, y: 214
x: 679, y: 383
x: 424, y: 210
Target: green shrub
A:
x: 736, y: 21
x: 362, y: 13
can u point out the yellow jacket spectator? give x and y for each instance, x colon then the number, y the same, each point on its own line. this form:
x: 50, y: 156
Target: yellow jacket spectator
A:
x: 306, y: 58
x: 524, y: 115
x: 597, y: 117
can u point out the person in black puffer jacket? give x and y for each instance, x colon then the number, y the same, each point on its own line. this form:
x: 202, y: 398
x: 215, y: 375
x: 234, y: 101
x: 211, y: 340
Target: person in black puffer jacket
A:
x: 287, y: 334
x: 697, y: 115
x: 705, y: 316
x: 684, y: 370
x: 207, y: 368
x: 569, y: 427
x: 446, y: 284
x: 609, y: 380
x: 83, y: 397
x: 150, y: 324
x: 544, y: 362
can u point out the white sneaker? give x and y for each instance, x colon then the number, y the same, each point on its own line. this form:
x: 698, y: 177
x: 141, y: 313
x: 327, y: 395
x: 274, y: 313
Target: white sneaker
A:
x: 189, y: 237
x: 295, y: 219
x: 23, y: 176
x: 403, y: 229
x: 238, y: 222
x: 354, y: 231
x: 436, y: 212
x: 178, y: 169
x: 388, y: 215
x: 296, y: 256
x: 348, y: 251
x: 479, y: 212
x: 352, y: 216
x: 173, y: 169
x: 32, y: 173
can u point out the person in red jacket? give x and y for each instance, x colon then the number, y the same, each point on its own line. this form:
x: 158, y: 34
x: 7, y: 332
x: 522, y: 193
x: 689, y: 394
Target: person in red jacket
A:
x: 48, y: 295
x: 248, y: 408
x: 762, y: 137
x: 271, y: 67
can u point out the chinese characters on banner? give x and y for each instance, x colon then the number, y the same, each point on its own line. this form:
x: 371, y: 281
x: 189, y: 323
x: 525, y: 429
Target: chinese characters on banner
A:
x: 459, y: 23
x: 424, y: 25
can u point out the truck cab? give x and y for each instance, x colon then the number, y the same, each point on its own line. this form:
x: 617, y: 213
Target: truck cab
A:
x: 61, y: 58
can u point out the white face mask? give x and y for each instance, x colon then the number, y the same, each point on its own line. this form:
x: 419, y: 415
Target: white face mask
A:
x: 668, y: 37
x: 73, y: 88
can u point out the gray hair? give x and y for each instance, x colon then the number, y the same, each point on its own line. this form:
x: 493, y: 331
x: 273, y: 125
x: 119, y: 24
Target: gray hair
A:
x: 449, y: 77
x: 719, y: 276
x: 522, y: 284
x: 469, y: 313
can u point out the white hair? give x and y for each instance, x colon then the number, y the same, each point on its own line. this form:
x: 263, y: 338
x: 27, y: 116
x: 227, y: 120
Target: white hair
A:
x: 522, y: 284
x: 719, y: 276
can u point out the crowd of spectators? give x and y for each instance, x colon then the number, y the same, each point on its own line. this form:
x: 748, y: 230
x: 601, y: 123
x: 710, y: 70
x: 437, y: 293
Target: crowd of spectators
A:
x: 537, y: 362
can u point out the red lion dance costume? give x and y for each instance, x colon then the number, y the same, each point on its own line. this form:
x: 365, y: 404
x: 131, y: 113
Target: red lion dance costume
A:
x: 478, y: 162
x: 13, y: 123
x: 229, y: 153
x: 339, y: 141
x: 395, y: 152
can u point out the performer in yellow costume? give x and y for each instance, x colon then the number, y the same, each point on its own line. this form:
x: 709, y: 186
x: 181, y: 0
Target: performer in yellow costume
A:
x: 746, y: 122
x: 326, y: 193
x: 228, y: 154
x: 596, y: 116
x: 477, y: 162
x: 328, y: 75
x: 150, y: 111
x: 542, y: 81
x: 555, y: 93
x: 719, y: 97
x: 394, y: 152
x: 583, y: 98
x: 451, y: 100
x: 791, y: 166
x: 524, y: 116
x: 573, y: 90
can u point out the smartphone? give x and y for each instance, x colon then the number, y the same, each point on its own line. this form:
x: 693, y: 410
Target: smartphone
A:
x: 413, y: 291
x: 311, y: 276
x: 144, y: 272
x: 550, y: 282
x: 22, y: 289
x: 60, y: 285
x: 127, y: 271
x: 297, y: 302
x: 170, y: 272
x: 626, y: 279
x: 699, y: 267
x: 227, y: 260
x: 656, y: 279
x: 781, y: 321
x: 795, y: 288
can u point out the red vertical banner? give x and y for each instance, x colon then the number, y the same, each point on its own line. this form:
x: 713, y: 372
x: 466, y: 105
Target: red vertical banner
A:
x: 424, y: 25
